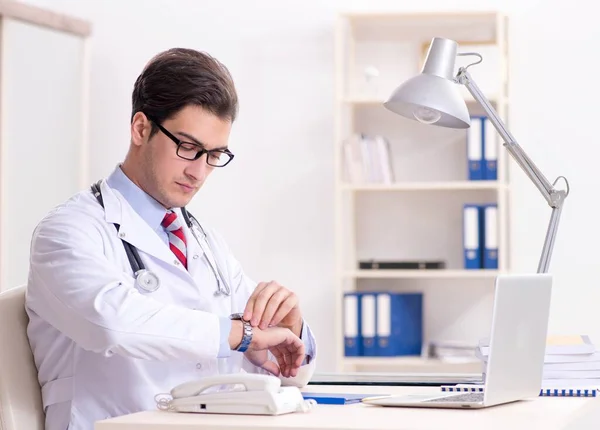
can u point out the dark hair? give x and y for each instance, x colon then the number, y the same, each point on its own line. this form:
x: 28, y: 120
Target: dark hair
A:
x: 179, y: 77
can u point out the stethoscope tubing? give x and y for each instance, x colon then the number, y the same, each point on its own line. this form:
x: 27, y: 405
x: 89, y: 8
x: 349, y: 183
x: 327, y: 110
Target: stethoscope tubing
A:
x: 147, y: 280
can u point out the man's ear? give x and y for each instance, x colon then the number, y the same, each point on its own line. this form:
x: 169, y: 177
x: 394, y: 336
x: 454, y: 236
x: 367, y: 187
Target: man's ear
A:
x: 140, y: 129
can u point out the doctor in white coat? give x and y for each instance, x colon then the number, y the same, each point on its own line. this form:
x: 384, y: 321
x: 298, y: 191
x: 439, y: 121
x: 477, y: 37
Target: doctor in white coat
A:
x: 129, y: 296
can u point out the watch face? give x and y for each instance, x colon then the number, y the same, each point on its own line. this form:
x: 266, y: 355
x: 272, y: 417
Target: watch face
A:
x: 237, y: 316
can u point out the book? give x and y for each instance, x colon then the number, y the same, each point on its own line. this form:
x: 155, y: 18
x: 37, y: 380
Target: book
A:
x: 570, y: 363
x: 401, y: 265
x: 555, y: 345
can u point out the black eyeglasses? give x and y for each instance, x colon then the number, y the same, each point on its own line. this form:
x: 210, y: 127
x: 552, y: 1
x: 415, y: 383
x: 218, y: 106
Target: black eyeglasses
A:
x: 192, y: 151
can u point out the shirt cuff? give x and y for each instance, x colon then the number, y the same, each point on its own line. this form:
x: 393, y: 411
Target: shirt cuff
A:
x: 310, y: 348
x: 225, y: 329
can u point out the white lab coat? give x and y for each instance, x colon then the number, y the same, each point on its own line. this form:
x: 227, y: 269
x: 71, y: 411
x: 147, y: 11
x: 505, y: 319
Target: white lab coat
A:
x: 102, y: 347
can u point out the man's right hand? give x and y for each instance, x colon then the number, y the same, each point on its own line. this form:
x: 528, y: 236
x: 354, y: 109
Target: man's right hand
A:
x: 286, y: 347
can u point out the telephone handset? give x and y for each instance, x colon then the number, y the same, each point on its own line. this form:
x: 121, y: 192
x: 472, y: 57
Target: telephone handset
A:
x: 257, y: 395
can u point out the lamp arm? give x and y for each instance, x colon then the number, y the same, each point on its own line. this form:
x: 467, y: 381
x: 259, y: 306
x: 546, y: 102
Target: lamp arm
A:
x: 554, y: 197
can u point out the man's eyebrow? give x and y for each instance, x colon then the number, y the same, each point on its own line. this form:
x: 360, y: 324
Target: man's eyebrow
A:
x: 196, y: 141
x: 192, y: 138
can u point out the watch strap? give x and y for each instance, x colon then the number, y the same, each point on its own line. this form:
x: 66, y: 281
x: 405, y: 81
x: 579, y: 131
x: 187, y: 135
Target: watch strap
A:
x: 246, y: 338
x: 247, y: 332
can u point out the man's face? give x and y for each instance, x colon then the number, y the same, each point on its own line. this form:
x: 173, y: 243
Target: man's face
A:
x: 170, y: 179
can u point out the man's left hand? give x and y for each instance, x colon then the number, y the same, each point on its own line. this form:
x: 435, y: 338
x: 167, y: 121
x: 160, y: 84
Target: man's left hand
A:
x: 274, y: 305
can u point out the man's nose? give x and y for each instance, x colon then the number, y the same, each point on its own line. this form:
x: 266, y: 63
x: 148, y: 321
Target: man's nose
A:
x: 198, y: 168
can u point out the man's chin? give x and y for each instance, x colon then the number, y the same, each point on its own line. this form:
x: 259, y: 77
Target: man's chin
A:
x: 182, y: 199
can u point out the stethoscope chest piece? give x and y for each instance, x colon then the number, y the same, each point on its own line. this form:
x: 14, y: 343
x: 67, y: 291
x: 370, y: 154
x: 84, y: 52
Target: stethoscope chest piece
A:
x: 147, y: 280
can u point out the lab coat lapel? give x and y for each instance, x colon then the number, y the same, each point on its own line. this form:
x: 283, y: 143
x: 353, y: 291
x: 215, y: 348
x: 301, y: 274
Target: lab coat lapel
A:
x: 133, y: 229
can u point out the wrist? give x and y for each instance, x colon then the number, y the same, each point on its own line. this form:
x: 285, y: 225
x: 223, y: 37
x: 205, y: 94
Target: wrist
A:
x: 296, y: 328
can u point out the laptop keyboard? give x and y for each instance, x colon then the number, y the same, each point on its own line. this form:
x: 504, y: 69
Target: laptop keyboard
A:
x: 465, y: 397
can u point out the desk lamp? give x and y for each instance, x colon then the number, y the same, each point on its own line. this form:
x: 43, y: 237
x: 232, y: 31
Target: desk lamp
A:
x: 433, y: 97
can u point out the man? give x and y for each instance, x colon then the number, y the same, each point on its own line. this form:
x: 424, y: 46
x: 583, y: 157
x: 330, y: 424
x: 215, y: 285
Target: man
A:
x: 108, y: 337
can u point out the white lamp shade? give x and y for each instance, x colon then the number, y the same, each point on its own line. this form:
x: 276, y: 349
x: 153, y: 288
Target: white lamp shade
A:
x: 430, y: 92
x: 433, y: 97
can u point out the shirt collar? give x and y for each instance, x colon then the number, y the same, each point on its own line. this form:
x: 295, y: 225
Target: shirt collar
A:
x: 145, y: 205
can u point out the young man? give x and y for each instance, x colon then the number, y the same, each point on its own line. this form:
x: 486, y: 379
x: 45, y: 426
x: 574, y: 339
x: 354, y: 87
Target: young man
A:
x: 129, y: 296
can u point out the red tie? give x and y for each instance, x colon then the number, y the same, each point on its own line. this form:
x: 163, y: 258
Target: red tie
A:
x: 176, y: 237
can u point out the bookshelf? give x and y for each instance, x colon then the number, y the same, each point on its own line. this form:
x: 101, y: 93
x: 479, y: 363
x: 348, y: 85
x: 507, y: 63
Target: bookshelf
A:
x: 418, y: 214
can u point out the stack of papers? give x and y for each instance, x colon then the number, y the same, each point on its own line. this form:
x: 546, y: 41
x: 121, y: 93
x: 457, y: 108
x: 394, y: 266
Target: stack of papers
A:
x: 570, y: 362
x: 452, y: 352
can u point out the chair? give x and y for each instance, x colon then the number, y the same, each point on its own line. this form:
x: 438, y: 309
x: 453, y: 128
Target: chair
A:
x: 20, y: 393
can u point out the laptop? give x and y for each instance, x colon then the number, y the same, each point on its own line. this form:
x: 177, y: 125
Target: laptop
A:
x: 517, y: 348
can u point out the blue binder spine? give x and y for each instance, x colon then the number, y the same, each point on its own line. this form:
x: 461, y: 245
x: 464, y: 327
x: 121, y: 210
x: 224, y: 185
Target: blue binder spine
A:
x: 490, y: 248
x: 352, y: 328
x: 490, y: 151
x: 399, y: 324
x: 368, y: 327
x: 472, y: 236
x: 475, y: 148
x: 385, y: 345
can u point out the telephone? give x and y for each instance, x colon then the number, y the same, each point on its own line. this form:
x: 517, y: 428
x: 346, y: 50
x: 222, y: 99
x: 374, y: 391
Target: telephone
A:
x: 255, y: 394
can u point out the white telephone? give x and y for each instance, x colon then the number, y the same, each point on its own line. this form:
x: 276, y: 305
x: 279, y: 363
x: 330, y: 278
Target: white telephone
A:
x: 258, y: 395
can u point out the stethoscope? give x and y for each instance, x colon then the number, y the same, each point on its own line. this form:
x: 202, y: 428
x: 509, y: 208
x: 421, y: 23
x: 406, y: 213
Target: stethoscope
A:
x: 149, y: 281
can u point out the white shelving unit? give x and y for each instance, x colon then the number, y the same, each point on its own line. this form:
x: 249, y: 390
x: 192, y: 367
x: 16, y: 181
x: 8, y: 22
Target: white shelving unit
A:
x: 419, y: 215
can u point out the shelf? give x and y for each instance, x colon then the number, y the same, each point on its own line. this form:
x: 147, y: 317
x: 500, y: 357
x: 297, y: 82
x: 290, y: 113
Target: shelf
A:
x: 415, y: 364
x: 423, y: 274
x: 476, y: 27
x: 374, y: 101
x: 429, y: 186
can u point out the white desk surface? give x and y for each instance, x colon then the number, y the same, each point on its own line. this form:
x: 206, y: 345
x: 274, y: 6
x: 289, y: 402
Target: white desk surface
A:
x: 564, y: 413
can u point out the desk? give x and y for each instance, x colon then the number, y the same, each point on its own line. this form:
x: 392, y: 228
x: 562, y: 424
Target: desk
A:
x: 539, y: 413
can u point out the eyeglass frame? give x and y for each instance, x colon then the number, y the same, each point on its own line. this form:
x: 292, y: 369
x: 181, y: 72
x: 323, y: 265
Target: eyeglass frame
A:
x: 201, y: 150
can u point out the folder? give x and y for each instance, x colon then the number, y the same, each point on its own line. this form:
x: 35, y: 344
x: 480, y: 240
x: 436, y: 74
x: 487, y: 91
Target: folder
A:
x: 472, y: 234
x: 490, y: 151
x: 475, y: 146
x: 490, y: 237
x: 368, y: 324
x: 399, y: 324
x: 352, y: 340
x: 337, y: 398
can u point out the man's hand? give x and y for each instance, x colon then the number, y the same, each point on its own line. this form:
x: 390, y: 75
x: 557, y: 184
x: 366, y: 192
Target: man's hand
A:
x: 285, y: 346
x: 274, y: 305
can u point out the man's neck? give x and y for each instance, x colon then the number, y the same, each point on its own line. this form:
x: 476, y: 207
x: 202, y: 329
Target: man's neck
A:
x: 130, y: 173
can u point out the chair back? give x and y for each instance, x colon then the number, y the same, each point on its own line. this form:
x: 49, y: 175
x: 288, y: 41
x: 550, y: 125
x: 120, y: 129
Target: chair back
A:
x: 20, y: 393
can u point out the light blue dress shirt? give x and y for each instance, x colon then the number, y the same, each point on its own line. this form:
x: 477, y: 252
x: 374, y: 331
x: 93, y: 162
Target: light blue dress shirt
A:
x: 153, y: 213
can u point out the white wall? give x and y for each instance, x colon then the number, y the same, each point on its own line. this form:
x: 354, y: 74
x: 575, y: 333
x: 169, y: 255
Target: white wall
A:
x: 275, y: 202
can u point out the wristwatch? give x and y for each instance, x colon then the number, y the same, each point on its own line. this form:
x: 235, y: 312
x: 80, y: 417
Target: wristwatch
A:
x: 247, y: 336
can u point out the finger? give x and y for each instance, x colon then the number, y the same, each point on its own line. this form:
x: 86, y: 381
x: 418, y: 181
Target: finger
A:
x: 279, y: 353
x: 272, y: 367
x: 291, y: 301
x: 260, y: 302
x: 297, y: 354
x: 287, y: 356
x: 272, y: 307
x: 251, y: 300
x: 284, y: 352
x: 292, y: 355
